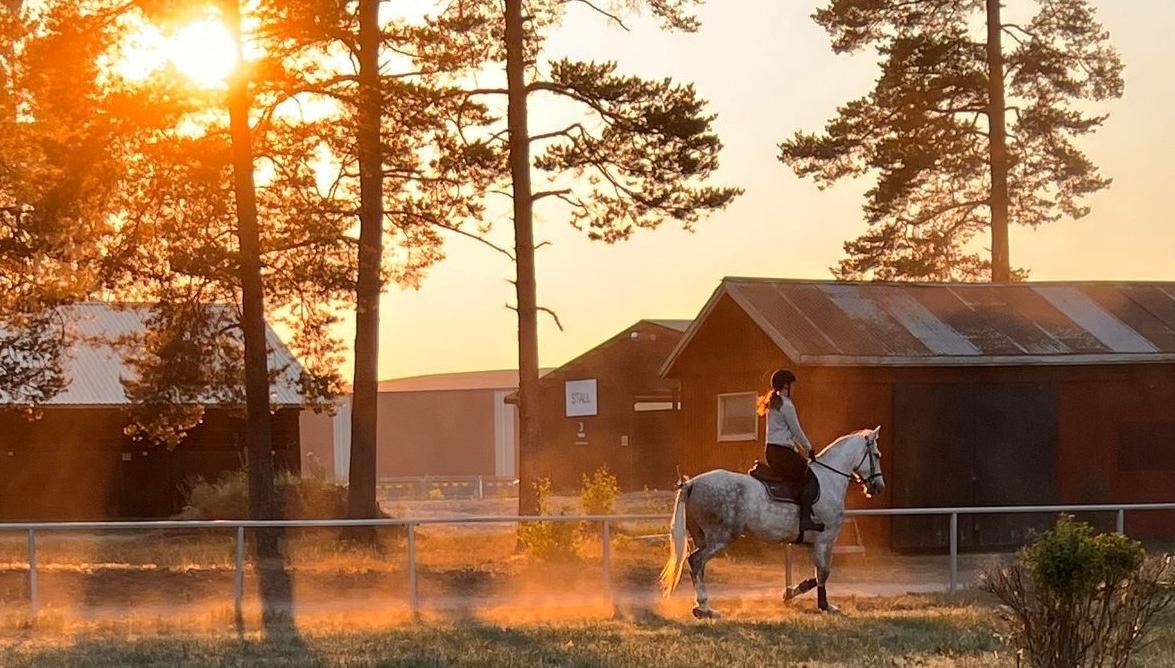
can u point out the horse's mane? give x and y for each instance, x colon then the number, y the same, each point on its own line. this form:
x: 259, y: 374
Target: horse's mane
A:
x: 863, y: 433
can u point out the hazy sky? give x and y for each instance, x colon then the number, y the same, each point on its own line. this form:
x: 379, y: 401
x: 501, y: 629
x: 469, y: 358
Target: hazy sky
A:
x: 768, y: 71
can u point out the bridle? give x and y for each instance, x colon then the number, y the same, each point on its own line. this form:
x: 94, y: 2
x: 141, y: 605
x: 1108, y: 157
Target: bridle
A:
x: 853, y: 475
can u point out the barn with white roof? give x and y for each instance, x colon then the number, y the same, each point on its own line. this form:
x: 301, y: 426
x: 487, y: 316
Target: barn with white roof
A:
x: 1013, y: 394
x: 75, y: 459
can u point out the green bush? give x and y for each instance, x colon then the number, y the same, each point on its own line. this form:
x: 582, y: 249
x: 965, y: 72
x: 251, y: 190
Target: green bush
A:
x: 548, y: 540
x: 1079, y: 599
x: 1070, y: 560
x: 561, y: 540
x: 598, y: 493
x: 227, y: 498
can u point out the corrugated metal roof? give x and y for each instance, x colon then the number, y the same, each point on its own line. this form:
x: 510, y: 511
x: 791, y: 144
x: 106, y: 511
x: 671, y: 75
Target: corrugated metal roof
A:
x: 94, y: 364
x: 676, y: 325
x: 944, y: 324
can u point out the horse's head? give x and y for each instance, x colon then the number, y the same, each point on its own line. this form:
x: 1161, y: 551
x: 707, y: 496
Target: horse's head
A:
x: 868, y: 468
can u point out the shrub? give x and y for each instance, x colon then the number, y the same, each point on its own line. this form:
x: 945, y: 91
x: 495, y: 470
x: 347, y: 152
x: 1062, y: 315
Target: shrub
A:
x: 227, y: 498
x: 548, y: 540
x: 1079, y: 599
x: 598, y: 493
x: 435, y: 494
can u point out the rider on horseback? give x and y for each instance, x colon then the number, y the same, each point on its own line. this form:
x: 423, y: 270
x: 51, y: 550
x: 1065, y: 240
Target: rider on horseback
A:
x: 788, y: 448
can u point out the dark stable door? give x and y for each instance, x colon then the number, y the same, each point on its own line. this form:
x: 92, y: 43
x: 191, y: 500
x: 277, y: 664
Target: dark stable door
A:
x: 973, y: 445
x: 149, y: 490
x: 654, y: 441
x: 932, y: 464
x: 1014, y: 460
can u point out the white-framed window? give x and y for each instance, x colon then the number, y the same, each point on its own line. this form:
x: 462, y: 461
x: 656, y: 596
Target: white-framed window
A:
x: 737, y: 416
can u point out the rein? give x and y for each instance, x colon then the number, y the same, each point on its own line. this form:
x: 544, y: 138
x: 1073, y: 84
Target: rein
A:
x: 854, y: 475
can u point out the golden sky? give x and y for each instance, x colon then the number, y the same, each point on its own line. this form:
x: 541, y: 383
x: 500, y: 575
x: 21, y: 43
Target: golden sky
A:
x: 768, y: 71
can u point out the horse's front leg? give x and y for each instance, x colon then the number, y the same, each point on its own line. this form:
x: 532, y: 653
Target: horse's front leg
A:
x: 802, y: 588
x: 822, y: 556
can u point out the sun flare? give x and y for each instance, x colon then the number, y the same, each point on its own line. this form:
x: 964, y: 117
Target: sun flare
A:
x: 203, y: 51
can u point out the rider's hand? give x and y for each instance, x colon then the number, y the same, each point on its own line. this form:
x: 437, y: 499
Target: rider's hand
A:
x: 811, y: 455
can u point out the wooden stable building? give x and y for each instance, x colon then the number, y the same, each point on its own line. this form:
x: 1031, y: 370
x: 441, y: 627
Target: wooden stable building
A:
x: 1017, y: 394
x: 75, y: 461
x: 610, y: 407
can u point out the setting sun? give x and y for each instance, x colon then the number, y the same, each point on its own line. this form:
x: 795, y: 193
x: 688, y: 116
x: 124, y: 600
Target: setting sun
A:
x: 202, y: 51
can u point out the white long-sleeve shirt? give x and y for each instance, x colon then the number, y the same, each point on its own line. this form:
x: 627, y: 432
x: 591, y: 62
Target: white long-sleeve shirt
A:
x: 783, y: 426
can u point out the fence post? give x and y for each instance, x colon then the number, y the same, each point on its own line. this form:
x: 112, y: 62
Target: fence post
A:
x: 1122, y: 521
x: 954, y: 552
x: 33, y: 602
x: 607, y: 539
x: 413, y: 598
x: 239, y: 576
x: 787, y: 567
x: 481, y: 491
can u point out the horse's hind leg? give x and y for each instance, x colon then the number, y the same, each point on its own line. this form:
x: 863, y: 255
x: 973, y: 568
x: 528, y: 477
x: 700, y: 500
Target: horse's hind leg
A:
x: 697, y: 566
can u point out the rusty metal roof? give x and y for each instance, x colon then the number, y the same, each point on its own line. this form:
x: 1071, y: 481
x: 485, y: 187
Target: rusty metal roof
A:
x: 676, y: 325
x: 95, y: 366
x: 949, y: 324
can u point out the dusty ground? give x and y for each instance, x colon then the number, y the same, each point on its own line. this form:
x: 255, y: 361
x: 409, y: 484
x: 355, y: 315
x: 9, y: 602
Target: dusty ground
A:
x: 98, y: 576
x: 927, y: 631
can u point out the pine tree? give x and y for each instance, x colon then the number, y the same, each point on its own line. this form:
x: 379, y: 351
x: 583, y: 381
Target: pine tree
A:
x: 399, y: 160
x: 965, y: 129
x: 60, y: 147
x: 638, y: 156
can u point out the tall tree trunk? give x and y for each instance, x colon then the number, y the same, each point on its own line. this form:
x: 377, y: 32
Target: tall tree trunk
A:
x: 361, y: 500
x: 1001, y: 271
x: 8, y: 56
x: 258, y: 439
x: 528, y: 341
x: 275, y: 586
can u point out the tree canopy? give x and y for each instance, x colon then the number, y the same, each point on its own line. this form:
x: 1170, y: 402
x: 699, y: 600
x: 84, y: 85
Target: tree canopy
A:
x: 932, y: 134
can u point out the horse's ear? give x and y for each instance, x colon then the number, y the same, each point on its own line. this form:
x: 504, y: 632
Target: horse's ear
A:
x: 876, y: 431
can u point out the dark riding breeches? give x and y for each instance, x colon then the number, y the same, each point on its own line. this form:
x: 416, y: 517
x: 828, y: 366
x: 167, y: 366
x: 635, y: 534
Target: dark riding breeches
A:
x: 790, y: 465
x: 786, y: 463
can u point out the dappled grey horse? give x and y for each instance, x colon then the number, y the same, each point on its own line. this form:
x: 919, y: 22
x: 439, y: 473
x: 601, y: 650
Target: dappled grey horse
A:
x: 719, y: 506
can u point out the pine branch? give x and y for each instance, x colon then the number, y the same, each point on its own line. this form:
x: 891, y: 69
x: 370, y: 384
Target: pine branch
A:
x: 553, y: 315
x: 922, y: 220
x: 599, y: 10
x: 565, y: 132
x: 549, y: 193
x: 476, y: 237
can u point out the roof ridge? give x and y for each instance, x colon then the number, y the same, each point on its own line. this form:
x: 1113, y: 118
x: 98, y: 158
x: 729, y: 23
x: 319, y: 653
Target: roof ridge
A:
x: 833, y: 281
x: 814, y: 323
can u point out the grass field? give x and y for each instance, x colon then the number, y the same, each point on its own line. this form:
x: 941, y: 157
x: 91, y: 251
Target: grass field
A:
x: 165, y: 598
x: 903, y: 631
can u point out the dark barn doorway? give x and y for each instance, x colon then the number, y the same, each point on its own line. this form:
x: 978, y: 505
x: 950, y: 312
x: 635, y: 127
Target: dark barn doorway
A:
x: 973, y: 445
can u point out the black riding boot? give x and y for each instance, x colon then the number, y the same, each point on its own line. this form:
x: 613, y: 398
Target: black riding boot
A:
x: 807, y: 521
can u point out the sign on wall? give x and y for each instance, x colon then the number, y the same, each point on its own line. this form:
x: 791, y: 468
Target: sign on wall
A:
x: 581, y: 397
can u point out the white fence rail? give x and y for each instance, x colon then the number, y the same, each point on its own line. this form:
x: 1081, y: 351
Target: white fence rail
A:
x: 449, y: 487
x: 606, y: 522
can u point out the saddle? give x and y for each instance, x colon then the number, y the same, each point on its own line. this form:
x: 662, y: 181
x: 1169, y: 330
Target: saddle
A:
x: 785, y: 490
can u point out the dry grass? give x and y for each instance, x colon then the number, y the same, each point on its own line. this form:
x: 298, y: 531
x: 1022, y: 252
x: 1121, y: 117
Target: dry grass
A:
x: 484, y: 603
x: 903, y: 631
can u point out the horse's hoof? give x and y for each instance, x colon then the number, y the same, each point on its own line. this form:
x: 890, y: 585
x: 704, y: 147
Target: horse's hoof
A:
x: 706, y: 613
x: 831, y: 610
x: 789, y: 594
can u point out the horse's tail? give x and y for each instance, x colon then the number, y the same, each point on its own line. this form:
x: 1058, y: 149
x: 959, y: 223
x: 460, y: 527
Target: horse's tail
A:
x: 671, y: 574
